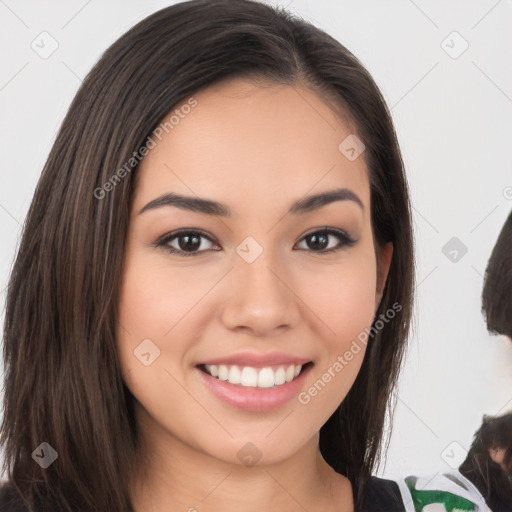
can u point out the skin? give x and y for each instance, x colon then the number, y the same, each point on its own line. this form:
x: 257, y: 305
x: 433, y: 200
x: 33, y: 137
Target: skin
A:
x: 257, y: 150
x: 498, y: 456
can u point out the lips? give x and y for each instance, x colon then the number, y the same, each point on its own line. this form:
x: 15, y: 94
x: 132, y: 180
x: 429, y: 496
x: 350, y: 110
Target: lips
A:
x: 256, y: 360
x: 254, y: 398
x: 255, y: 382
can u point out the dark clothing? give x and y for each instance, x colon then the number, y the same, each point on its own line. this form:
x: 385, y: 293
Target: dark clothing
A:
x: 380, y: 496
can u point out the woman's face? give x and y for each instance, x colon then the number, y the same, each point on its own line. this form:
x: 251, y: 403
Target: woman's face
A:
x: 255, y: 293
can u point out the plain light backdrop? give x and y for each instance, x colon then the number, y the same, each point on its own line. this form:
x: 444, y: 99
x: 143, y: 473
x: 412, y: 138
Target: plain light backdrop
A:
x: 444, y: 68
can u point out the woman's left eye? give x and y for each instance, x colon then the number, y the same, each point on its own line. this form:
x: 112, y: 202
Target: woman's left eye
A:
x: 320, y: 240
x: 190, y: 243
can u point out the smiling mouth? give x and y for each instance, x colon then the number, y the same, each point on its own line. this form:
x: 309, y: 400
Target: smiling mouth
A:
x: 251, y: 377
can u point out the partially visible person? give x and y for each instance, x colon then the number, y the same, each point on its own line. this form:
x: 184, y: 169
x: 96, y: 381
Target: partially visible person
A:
x: 484, y: 479
x: 489, y: 461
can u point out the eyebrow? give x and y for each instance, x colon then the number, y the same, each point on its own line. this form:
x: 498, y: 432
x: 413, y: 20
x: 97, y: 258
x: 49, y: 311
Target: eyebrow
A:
x: 209, y: 207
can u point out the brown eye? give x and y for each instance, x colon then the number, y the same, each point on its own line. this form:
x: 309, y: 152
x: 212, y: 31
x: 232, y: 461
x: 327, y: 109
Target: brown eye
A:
x: 321, y: 241
x: 186, y: 243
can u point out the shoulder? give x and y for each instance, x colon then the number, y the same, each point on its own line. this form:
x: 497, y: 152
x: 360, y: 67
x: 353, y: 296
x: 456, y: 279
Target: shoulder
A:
x: 381, y: 495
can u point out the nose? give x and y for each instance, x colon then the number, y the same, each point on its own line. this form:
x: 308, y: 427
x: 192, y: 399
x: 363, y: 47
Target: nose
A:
x: 259, y: 298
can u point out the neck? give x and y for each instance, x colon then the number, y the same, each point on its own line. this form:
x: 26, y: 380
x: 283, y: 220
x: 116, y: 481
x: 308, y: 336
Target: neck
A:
x: 188, y: 479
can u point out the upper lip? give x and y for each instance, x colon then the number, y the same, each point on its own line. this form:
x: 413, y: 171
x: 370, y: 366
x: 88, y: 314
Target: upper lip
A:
x: 257, y: 360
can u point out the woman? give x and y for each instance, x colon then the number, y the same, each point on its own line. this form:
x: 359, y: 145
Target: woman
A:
x: 488, y: 464
x: 213, y: 291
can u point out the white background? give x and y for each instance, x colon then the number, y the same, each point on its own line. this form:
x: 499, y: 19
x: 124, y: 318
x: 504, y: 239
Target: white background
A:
x: 454, y: 122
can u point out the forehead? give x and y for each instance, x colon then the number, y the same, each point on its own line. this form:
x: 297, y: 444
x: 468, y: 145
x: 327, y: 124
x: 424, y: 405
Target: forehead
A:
x: 244, y: 144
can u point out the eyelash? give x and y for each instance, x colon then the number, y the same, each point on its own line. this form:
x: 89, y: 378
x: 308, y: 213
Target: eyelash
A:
x: 345, y: 240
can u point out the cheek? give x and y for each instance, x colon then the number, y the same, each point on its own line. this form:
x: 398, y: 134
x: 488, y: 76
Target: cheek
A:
x: 148, y: 311
x: 154, y: 305
x: 343, y: 297
x: 164, y: 304
x: 154, y: 298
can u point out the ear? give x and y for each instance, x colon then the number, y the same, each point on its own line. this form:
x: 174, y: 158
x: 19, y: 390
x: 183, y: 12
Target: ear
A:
x: 384, y: 255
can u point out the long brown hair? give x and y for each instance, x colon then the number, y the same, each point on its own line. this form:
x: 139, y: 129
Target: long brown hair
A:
x: 63, y: 382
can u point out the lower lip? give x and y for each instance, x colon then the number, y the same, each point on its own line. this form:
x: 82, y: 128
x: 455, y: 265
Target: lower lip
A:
x: 254, y: 399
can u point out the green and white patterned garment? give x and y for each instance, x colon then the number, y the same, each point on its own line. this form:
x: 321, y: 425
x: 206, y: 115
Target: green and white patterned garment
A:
x: 443, y: 492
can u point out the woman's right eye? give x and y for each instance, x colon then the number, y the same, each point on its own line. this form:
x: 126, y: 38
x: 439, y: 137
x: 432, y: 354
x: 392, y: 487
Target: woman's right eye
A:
x: 185, y: 243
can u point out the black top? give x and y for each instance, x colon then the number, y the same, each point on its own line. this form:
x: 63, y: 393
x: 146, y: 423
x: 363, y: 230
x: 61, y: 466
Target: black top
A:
x: 381, y: 495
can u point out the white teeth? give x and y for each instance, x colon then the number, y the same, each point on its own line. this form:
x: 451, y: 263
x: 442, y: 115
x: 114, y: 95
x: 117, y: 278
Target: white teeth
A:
x: 234, y: 375
x: 280, y: 376
x: 253, y: 377
x: 249, y: 377
x: 223, y: 372
x: 266, y: 378
x: 212, y: 370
